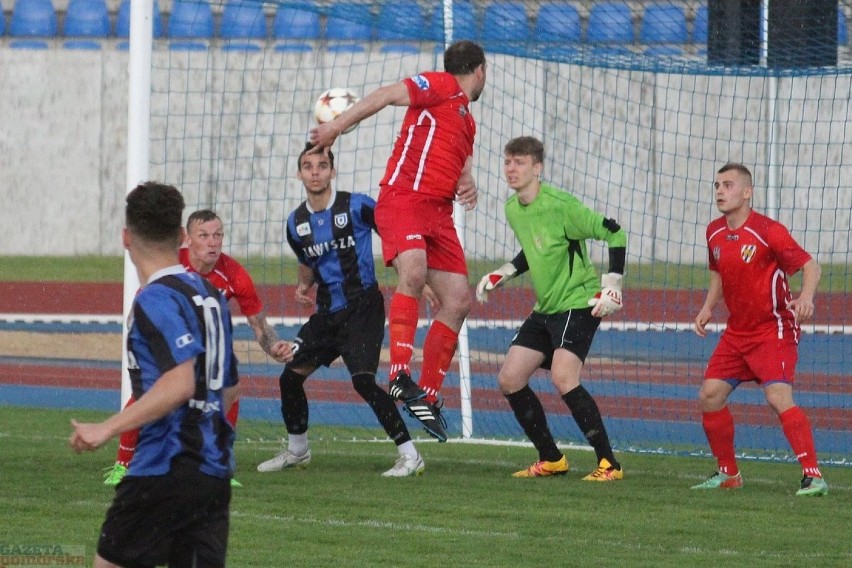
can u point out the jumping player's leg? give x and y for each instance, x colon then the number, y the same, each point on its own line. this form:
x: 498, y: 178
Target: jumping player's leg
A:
x: 404, y: 308
x: 439, y: 348
x: 127, y: 441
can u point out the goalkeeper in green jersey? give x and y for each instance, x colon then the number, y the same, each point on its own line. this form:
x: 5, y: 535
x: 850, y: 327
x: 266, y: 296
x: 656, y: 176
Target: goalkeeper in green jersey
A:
x: 552, y: 227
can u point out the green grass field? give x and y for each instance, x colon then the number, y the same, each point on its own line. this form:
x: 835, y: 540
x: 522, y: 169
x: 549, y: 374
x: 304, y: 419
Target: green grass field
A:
x: 466, y: 510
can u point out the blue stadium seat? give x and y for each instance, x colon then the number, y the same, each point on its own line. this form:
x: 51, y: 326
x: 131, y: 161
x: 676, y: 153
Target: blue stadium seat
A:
x: 243, y: 20
x: 122, y: 24
x: 86, y: 19
x: 2, y: 21
x: 190, y: 25
x: 663, y: 23
x: 32, y: 19
x: 296, y: 22
x: 610, y: 22
x: 842, y: 28
x: 401, y: 25
x: 699, y: 25
x: 348, y: 26
x: 558, y: 23
x: 464, y: 22
x: 506, y: 27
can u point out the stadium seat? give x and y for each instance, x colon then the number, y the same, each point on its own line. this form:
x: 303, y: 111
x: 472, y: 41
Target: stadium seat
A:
x: 294, y: 22
x: 401, y: 26
x: 86, y: 19
x: 558, y: 23
x: 464, y: 22
x: 610, y: 22
x: 122, y: 24
x: 699, y: 25
x: 32, y: 19
x: 243, y: 21
x: 190, y: 25
x: 663, y: 23
x: 506, y: 27
x: 2, y: 21
x: 348, y: 26
x: 842, y: 28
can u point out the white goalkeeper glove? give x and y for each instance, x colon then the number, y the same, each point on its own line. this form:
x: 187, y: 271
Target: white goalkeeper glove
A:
x: 608, y: 300
x: 494, y: 280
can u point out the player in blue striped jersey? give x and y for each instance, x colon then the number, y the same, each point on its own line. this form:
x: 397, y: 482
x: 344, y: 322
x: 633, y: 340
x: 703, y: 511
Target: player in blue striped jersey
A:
x: 173, y: 505
x: 331, y: 233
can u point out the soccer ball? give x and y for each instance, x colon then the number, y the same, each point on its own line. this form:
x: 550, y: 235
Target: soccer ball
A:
x: 334, y: 102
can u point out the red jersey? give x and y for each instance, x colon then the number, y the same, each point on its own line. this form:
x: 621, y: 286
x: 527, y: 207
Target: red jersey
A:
x: 232, y: 280
x: 436, y: 137
x: 753, y: 263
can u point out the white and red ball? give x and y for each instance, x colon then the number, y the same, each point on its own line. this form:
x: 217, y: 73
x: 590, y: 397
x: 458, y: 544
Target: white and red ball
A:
x: 334, y: 102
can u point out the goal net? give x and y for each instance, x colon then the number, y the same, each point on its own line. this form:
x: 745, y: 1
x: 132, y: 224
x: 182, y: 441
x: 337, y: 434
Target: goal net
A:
x: 635, y: 123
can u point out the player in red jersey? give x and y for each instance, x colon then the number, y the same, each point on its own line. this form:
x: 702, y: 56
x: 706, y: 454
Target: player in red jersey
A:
x: 750, y: 257
x: 429, y: 168
x: 203, y: 254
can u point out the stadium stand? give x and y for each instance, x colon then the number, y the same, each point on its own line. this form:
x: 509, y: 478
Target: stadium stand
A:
x: 663, y: 23
x: 400, y: 26
x: 296, y: 26
x: 346, y: 29
x: 611, y: 22
x: 464, y: 23
x: 33, y: 22
x: 506, y: 27
x: 86, y: 21
x: 122, y: 23
x: 699, y: 26
x: 190, y: 25
x: 243, y: 21
x: 842, y: 28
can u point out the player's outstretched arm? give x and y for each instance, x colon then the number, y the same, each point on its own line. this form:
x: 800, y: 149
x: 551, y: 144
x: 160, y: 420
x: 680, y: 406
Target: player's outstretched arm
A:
x: 324, y: 135
x: 497, y: 278
x: 172, y: 389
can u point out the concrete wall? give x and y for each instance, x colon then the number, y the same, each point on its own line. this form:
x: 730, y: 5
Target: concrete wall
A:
x: 226, y: 127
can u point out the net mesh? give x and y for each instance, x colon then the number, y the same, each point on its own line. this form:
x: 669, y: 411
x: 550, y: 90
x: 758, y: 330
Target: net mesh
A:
x: 638, y: 104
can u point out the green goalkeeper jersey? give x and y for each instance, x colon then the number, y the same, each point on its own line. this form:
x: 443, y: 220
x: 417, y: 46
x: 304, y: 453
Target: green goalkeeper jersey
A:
x: 552, y: 231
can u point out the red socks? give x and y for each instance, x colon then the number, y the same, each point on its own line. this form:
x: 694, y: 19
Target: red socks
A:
x: 402, y: 325
x: 797, y: 429
x: 438, y: 351
x: 233, y: 413
x: 719, y: 428
x: 127, y: 442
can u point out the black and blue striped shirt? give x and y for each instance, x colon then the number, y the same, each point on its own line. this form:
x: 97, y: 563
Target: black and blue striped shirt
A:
x: 336, y: 244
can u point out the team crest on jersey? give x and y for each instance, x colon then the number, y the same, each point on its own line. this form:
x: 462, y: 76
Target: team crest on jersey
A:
x: 747, y: 252
x: 717, y: 252
x: 303, y: 229
x: 341, y: 220
x: 421, y: 82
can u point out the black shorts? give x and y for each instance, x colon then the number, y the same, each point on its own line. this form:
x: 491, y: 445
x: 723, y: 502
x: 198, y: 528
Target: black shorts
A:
x: 179, y: 519
x: 354, y: 333
x: 572, y: 330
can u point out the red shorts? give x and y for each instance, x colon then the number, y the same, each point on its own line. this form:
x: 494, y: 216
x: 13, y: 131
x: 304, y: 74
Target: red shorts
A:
x: 409, y: 220
x: 764, y: 359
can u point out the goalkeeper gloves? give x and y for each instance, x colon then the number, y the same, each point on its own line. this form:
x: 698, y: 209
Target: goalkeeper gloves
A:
x: 494, y: 280
x: 608, y: 300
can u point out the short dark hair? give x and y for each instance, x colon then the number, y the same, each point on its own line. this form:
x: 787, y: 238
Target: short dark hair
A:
x: 463, y: 57
x: 309, y: 147
x: 154, y: 212
x: 525, y: 146
x: 201, y: 216
x: 741, y: 169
